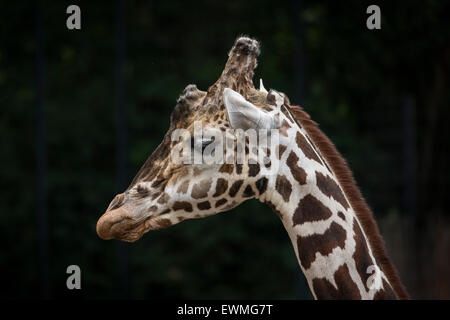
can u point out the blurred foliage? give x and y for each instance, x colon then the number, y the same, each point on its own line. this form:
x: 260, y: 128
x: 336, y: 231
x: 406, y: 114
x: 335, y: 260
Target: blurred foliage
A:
x: 355, y: 82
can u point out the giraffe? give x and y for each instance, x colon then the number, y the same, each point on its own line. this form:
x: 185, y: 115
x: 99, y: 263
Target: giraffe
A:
x: 334, y: 236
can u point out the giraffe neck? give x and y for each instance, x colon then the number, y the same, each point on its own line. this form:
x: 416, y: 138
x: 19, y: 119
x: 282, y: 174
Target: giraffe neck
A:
x: 331, y: 247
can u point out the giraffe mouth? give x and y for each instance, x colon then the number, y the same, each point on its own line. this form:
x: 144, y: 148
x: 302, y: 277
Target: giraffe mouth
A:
x: 118, y: 224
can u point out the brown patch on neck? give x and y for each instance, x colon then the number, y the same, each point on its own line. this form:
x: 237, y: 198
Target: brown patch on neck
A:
x: 346, y: 288
x: 261, y: 185
x: 234, y: 189
x: 341, y: 215
x: 227, y: 168
x: 306, y: 148
x: 200, y: 190
x: 333, y: 237
x: 284, y: 128
x: 248, y: 192
x: 253, y: 169
x: 221, y: 187
x: 183, y: 188
x: 220, y: 202
x: 347, y: 182
x: 309, y: 210
x: 182, y: 205
x: 204, y: 205
x: 330, y: 188
x: 284, y: 187
x: 298, y: 172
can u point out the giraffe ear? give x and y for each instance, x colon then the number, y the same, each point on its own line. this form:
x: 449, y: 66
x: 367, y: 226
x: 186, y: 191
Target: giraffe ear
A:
x: 243, y: 114
x: 261, y: 87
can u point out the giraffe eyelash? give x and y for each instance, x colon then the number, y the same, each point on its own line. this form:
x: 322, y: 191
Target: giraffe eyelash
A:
x: 204, y: 143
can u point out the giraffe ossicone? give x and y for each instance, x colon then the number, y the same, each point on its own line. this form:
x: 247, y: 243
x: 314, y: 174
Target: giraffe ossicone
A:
x: 259, y: 146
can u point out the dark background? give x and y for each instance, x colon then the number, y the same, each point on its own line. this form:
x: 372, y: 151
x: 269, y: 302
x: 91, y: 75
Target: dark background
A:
x: 81, y: 111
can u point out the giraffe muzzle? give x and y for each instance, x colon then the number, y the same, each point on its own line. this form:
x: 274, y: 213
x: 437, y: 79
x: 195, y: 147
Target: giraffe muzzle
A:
x: 120, y: 223
x: 115, y: 224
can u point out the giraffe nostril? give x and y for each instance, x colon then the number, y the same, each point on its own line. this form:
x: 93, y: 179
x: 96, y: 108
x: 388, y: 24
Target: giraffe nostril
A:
x: 116, y: 202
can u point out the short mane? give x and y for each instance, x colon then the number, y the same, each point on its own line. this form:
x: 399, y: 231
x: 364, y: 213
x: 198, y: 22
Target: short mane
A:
x: 346, y: 180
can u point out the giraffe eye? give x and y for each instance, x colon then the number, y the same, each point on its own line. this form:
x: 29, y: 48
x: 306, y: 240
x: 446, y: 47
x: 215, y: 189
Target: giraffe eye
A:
x: 206, y: 143
x: 202, y: 143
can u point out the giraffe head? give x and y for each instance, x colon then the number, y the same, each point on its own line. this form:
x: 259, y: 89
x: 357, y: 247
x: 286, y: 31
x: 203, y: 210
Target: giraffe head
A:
x: 172, y: 185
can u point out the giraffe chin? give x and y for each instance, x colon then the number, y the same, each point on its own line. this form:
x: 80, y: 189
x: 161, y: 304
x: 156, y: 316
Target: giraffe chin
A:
x: 118, y: 224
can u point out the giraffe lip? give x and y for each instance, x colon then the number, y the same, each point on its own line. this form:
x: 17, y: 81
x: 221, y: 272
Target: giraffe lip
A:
x: 119, y: 224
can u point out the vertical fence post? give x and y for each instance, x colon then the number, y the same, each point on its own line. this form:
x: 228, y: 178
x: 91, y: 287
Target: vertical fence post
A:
x: 409, y: 157
x: 412, y: 229
x: 299, y: 55
x: 121, y: 138
x: 41, y: 160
